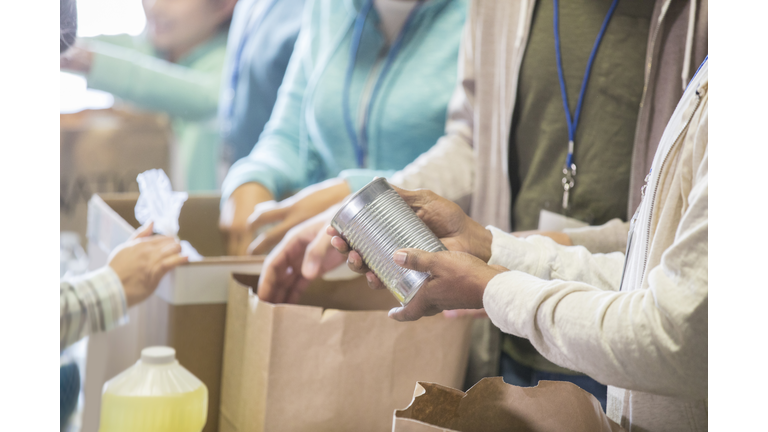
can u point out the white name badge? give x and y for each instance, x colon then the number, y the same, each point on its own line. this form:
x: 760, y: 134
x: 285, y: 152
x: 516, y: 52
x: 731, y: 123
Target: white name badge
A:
x: 549, y: 221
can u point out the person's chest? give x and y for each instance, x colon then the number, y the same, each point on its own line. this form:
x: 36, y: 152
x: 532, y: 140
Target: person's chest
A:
x: 603, y: 133
x: 405, y: 115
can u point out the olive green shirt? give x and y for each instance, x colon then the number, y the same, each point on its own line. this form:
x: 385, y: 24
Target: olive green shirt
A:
x: 605, y: 133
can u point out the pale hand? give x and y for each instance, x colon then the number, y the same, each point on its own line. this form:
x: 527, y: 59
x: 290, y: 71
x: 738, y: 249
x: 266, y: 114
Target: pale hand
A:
x: 290, y: 212
x: 304, y: 254
x: 233, y: 221
x: 142, y: 261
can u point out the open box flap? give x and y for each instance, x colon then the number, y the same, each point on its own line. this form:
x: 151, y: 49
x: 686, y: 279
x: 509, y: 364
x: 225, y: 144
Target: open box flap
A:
x: 112, y: 220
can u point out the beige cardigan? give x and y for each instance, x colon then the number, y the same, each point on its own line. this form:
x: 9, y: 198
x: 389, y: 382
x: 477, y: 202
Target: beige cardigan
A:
x: 649, y: 341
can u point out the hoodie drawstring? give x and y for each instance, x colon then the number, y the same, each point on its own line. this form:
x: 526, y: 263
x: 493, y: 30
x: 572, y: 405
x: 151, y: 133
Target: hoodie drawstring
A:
x: 689, y: 44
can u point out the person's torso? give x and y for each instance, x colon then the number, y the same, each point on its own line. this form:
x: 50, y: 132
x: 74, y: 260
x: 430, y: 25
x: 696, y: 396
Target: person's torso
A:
x: 499, y: 33
x: 407, y: 113
x: 259, y: 47
x: 604, y: 134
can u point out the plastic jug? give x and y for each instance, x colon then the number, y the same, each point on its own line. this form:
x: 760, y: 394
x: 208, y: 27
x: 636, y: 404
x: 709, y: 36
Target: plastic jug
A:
x: 155, y: 394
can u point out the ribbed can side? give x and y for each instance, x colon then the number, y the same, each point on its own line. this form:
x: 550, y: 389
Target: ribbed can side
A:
x: 385, y: 225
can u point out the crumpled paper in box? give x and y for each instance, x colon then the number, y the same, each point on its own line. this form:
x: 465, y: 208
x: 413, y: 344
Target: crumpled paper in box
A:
x: 160, y: 204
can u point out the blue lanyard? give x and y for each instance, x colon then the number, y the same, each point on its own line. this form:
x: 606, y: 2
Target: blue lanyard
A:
x: 361, y: 149
x: 243, y: 40
x: 697, y: 71
x: 570, y: 168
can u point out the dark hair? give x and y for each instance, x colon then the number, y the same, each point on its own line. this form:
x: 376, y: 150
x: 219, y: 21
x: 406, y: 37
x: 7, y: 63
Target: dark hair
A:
x: 68, y: 26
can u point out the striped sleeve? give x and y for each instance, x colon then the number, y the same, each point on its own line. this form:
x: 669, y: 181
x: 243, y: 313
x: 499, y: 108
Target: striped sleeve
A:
x: 90, y: 304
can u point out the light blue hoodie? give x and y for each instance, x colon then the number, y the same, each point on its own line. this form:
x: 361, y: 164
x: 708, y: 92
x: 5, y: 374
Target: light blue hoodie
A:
x: 306, y: 141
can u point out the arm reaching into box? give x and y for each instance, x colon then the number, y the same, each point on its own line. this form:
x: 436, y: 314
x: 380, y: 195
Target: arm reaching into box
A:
x: 99, y: 300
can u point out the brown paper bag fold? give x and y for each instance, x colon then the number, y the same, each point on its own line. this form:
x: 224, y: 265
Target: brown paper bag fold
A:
x: 494, y: 406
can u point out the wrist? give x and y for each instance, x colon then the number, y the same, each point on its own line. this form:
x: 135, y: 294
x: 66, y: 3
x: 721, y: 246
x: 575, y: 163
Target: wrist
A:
x: 490, y: 273
x: 482, y: 240
x: 342, y: 190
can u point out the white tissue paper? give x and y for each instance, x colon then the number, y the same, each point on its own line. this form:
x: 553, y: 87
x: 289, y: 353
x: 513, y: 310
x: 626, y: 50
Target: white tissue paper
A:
x: 159, y: 203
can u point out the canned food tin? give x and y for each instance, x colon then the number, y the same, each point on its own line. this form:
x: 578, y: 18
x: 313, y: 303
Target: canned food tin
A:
x: 376, y: 222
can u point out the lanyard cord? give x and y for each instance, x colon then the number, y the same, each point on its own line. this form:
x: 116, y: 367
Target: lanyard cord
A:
x: 361, y: 149
x: 570, y: 168
x: 241, y: 47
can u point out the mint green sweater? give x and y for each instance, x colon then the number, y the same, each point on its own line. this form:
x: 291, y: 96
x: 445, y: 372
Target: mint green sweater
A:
x: 306, y: 141
x: 131, y: 69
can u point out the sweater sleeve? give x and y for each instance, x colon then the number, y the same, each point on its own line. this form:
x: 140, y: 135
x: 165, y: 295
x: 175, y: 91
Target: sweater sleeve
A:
x: 448, y: 168
x: 154, y: 83
x: 278, y: 161
x: 606, y: 238
x: 90, y: 304
x: 652, y: 340
x: 543, y: 258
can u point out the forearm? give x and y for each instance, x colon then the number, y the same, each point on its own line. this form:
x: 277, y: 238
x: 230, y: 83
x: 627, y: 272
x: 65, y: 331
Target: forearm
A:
x: 273, y: 165
x: 154, y: 83
x: 541, y: 257
x: 632, y: 340
x: 91, y: 304
x: 606, y: 238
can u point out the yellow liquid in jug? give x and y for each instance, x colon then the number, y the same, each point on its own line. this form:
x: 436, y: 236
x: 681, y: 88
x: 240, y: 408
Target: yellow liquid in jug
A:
x: 185, y: 412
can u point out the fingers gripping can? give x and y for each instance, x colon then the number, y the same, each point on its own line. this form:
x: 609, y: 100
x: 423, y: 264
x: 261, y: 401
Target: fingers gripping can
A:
x: 376, y: 222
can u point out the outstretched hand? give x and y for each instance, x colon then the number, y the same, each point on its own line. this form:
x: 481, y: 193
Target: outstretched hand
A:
x: 303, y: 255
x: 142, y: 261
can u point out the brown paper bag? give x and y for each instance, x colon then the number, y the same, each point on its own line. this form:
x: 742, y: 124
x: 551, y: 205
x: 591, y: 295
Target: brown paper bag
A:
x: 336, y: 363
x: 494, y: 406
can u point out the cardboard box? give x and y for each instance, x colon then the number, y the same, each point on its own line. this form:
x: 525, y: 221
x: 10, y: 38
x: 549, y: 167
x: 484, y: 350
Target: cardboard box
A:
x: 103, y: 151
x: 494, y: 406
x: 186, y: 312
x: 335, y: 363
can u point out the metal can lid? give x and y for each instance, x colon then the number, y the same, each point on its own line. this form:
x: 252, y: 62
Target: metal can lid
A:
x: 357, y: 202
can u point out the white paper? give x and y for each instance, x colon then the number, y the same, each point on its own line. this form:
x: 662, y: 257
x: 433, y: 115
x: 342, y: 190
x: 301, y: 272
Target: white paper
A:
x: 549, y: 221
x: 160, y: 204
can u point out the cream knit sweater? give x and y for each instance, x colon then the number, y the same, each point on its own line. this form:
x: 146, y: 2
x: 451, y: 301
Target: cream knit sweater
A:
x: 645, y: 336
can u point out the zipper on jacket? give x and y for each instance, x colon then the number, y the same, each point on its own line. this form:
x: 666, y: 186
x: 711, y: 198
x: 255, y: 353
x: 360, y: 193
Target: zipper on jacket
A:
x: 632, y: 228
x: 656, y: 186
